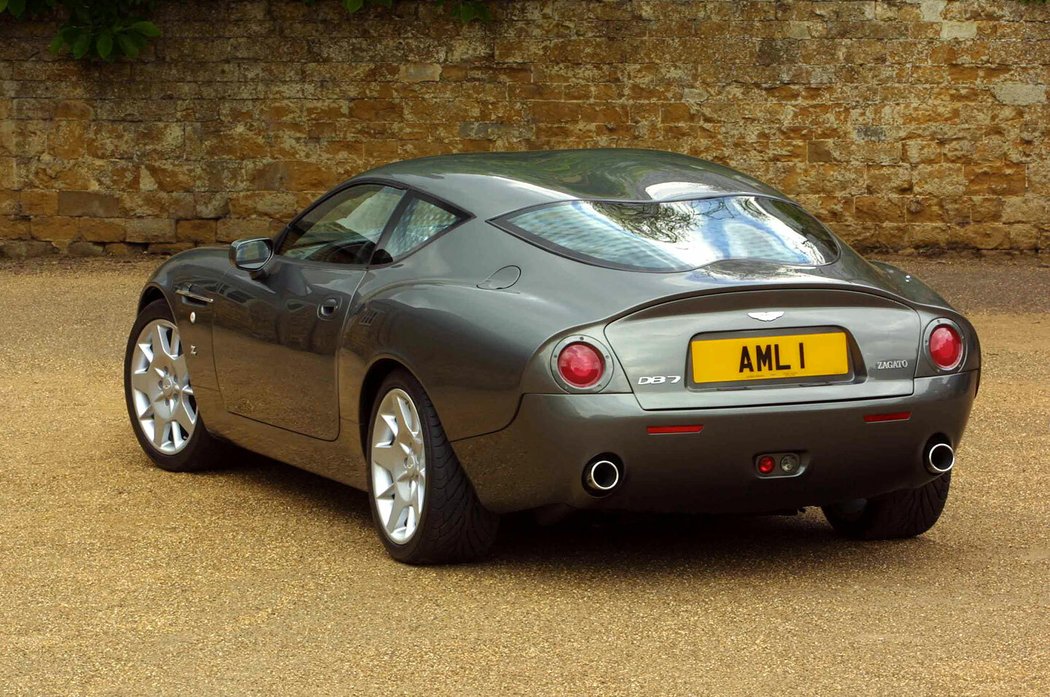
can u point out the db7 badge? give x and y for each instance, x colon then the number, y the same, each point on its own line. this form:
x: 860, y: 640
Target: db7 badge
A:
x: 659, y: 379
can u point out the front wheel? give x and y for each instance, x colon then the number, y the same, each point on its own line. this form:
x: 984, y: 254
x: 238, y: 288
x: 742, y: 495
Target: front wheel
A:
x: 894, y: 515
x: 423, y: 505
x: 159, y: 395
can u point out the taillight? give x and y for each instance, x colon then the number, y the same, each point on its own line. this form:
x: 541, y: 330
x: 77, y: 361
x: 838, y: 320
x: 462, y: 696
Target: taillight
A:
x: 581, y: 365
x: 945, y: 347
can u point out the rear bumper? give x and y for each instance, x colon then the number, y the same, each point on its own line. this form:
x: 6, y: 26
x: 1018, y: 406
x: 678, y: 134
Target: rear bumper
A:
x: 538, y: 460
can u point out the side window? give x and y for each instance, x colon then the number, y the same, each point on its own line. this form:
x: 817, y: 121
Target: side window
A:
x: 420, y: 221
x: 345, y: 228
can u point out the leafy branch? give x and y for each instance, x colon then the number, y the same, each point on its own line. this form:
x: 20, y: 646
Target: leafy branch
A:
x: 112, y: 29
x: 108, y: 29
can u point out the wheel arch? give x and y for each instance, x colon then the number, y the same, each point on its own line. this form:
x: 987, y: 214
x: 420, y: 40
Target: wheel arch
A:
x: 151, y: 293
x: 377, y: 372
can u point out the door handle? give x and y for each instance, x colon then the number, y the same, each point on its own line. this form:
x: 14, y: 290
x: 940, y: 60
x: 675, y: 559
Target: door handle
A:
x: 191, y: 297
x: 327, y: 308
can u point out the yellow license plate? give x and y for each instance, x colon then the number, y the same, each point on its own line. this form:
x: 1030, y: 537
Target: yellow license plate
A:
x: 769, y: 357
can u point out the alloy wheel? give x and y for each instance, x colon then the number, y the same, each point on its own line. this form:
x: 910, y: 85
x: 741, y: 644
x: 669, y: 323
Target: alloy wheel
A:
x: 162, y: 396
x: 399, y: 472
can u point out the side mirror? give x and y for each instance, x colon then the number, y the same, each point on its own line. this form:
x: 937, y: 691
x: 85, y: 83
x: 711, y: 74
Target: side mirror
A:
x: 251, y: 255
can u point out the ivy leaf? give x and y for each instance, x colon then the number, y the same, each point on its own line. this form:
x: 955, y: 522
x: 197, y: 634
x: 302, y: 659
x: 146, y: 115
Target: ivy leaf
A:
x: 56, y: 44
x: 353, y: 5
x: 3, y: 5
x: 146, y: 28
x: 139, y: 40
x: 104, y: 45
x: 82, y: 45
x: 469, y: 10
x: 128, y: 45
x: 17, y: 7
x: 384, y: 3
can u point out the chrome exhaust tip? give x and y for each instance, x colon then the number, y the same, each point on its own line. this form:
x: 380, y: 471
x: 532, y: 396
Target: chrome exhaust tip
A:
x: 940, y: 458
x: 601, y: 476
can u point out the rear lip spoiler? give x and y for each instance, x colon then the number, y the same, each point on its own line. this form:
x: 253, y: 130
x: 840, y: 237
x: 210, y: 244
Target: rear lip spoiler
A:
x: 836, y: 286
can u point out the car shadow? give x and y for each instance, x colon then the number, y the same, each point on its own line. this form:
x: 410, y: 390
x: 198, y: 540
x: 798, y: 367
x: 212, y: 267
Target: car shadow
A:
x: 292, y: 484
x: 636, y: 543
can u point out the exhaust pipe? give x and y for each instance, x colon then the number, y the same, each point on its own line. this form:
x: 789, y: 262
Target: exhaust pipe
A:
x: 601, y: 476
x: 939, y: 457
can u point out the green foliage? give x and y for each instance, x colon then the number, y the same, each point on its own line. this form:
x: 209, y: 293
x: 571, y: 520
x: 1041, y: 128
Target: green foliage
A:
x: 111, y: 29
x: 463, y: 10
x: 469, y: 10
x: 107, y: 29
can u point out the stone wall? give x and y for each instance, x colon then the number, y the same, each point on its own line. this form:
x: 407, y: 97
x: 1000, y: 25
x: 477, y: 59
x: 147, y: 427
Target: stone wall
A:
x: 905, y: 125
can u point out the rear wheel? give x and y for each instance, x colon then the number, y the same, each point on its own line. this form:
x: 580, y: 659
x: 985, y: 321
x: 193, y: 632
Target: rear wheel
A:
x: 423, y: 505
x: 159, y: 396
x: 891, y: 516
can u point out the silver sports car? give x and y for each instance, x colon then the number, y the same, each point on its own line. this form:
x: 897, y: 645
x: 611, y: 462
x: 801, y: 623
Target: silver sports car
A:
x: 477, y: 334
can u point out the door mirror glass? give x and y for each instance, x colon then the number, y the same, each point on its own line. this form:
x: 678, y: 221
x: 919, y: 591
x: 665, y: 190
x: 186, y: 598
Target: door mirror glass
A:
x: 251, y: 255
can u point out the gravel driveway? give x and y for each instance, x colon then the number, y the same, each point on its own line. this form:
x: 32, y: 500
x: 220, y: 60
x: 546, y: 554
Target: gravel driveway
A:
x: 116, y: 577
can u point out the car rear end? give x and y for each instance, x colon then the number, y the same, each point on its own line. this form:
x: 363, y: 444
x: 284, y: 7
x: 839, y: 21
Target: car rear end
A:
x: 687, y: 437
x: 768, y: 390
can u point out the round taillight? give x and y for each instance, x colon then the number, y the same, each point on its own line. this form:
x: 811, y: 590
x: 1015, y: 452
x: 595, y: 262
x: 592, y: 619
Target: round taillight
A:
x: 766, y: 464
x: 946, y: 347
x: 581, y: 365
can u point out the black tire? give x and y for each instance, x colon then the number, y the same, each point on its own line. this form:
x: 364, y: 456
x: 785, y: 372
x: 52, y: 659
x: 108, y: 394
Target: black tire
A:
x: 891, y: 516
x: 453, y: 525
x: 202, y: 451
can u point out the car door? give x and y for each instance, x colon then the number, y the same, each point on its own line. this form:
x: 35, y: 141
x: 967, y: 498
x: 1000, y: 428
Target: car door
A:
x: 276, y: 336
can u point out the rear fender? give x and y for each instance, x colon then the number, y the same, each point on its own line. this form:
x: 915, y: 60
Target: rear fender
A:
x: 469, y: 347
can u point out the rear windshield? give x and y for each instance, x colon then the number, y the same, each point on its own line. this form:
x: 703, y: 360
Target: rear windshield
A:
x: 676, y: 236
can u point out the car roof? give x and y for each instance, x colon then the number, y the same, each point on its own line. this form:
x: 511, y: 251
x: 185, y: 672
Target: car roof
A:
x: 492, y: 184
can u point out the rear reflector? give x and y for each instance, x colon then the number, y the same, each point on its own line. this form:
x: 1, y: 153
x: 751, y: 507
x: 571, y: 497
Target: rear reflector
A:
x: 895, y: 416
x: 659, y: 430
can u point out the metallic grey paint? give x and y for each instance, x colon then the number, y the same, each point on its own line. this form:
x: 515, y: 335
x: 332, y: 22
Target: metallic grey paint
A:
x: 285, y: 361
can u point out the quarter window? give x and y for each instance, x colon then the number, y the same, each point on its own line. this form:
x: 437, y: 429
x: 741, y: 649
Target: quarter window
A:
x: 345, y: 228
x: 420, y: 221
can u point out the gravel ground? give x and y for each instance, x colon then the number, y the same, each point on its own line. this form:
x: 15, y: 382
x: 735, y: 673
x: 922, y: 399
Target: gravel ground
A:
x: 116, y: 577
